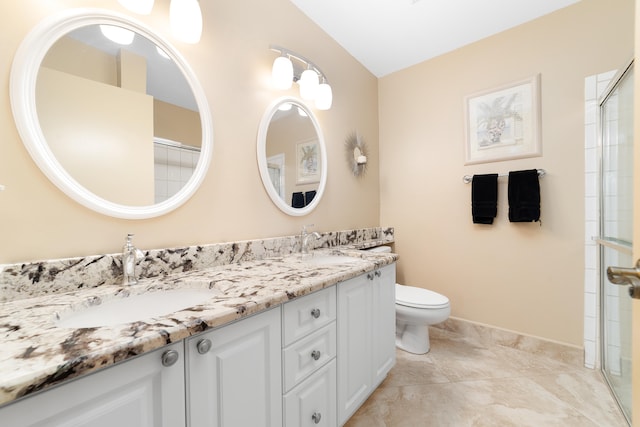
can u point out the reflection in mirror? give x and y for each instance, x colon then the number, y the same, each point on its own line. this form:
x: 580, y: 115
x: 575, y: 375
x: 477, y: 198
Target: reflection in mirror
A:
x: 137, y: 113
x: 292, y: 156
x: 122, y: 128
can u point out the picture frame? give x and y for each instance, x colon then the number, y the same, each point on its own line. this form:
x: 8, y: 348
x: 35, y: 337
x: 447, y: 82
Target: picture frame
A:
x: 503, y: 123
x: 308, y: 162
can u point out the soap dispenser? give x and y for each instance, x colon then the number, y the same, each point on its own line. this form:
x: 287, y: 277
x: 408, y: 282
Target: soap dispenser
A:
x: 130, y: 257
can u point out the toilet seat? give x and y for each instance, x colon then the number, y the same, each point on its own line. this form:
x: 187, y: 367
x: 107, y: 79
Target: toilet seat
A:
x: 410, y: 296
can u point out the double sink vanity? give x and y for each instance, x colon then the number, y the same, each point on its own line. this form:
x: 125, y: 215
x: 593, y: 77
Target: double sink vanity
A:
x: 249, y: 333
x: 287, y: 340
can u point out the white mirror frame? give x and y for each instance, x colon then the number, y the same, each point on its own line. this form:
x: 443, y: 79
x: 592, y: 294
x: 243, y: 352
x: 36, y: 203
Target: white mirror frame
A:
x: 262, y: 157
x: 24, y: 74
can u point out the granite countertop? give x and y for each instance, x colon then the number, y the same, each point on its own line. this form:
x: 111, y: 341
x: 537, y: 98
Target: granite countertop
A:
x: 36, y: 353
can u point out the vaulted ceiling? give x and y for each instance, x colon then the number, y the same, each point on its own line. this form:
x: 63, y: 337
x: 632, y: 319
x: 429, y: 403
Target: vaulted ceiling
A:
x: 389, y: 35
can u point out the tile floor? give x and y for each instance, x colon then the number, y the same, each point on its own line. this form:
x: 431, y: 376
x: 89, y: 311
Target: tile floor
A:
x: 467, y: 382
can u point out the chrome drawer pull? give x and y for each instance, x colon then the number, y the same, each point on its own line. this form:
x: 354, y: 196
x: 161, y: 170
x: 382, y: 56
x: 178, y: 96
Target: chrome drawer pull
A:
x: 170, y: 357
x: 204, y: 346
x: 315, y: 354
x: 316, y: 417
x: 315, y: 313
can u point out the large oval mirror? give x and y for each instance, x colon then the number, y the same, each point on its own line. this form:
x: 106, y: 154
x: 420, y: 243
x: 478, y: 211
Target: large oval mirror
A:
x: 292, y: 156
x: 121, y: 126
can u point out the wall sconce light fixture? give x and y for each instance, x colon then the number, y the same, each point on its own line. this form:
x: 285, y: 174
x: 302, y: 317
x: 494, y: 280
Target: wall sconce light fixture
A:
x: 313, y: 83
x: 185, y: 17
x: 356, y: 151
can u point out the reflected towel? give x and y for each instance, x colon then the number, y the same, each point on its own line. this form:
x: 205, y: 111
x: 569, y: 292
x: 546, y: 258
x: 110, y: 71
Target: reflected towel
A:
x: 297, y: 200
x: 484, y: 198
x: 308, y: 196
x: 524, y: 196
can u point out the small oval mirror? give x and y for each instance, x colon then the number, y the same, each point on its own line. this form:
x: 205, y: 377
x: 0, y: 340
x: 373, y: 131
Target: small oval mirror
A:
x: 72, y: 88
x: 292, y: 156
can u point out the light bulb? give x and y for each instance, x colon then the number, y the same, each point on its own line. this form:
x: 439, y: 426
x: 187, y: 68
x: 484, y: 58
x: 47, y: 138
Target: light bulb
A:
x: 282, y: 73
x: 324, y: 98
x: 185, y: 18
x: 143, y: 7
x: 309, y: 83
x: 117, y: 34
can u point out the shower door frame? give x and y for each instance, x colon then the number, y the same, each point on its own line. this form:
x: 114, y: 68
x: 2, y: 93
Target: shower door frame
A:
x: 604, y: 244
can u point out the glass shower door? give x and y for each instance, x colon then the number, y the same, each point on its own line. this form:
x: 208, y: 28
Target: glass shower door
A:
x: 616, y: 234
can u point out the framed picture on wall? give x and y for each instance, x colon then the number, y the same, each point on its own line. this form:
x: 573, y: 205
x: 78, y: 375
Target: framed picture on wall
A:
x: 308, y: 162
x: 503, y: 123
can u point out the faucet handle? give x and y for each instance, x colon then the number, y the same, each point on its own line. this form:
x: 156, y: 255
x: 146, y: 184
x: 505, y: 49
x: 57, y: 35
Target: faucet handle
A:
x: 304, y: 228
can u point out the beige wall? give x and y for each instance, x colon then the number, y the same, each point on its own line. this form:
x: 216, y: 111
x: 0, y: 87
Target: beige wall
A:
x: 233, y: 63
x: 176, y: 123
x: 522, y: 277
x: 92, y: 64
x: 96, y: 130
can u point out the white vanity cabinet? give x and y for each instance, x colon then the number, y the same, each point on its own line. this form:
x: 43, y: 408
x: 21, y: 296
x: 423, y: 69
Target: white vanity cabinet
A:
x: 234, y: 374
x: 308, y: 360
x: 366, y: 337
x: 147, y: 391
x: 384, y: 321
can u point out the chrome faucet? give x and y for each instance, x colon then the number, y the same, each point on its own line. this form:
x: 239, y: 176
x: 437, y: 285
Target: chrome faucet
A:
x: 130, y: 257
x: 304, y: 239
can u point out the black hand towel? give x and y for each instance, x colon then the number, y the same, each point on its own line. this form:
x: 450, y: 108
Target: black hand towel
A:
x: 484, y: 198
x: 524, y: 196
x: 308, y: 196
x: 297, y: 200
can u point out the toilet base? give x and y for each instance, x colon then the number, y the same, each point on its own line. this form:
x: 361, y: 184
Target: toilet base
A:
x: 412, y: 338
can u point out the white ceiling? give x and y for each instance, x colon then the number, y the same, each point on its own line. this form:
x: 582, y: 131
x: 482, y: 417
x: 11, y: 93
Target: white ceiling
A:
x: 389, y: 35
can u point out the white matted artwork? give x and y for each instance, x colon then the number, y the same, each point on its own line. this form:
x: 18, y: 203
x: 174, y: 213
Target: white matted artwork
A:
x: 308, y: 162
x: 503, y: 123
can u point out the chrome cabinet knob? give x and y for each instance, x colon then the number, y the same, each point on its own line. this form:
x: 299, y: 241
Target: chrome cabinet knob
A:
x: 315, y: 313
x: 204, y: 346
x: 378, y: 273
x: 370, y: 276
x: 316, y: 417
x: 170, y: 357
x: 315, y: 354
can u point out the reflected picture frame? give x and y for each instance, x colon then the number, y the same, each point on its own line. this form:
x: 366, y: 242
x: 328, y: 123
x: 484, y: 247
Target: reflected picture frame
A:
x: 503, y: 123
x: 308, y: 162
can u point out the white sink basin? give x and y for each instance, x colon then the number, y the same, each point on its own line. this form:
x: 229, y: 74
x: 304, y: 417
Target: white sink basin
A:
x: 134, y: 308
x: 330, y: 259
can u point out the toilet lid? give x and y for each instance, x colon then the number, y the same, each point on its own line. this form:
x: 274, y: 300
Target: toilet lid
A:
x: 411, y: 296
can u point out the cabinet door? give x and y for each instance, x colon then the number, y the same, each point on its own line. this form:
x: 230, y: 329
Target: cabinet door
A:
x: 354, y: 345
x: 384, y: 318
x: 313, y: 402
x: 140, y: 392
x: 238, y: 382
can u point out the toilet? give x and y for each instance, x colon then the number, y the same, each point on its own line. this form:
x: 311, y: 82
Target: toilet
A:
x: 416, y: 309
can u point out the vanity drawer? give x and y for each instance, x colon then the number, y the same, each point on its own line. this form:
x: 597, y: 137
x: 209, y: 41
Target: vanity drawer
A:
x: 313, y: 403
x: 307, y: 314
x: 304, y: 357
